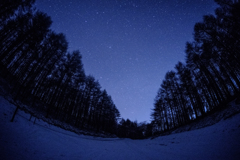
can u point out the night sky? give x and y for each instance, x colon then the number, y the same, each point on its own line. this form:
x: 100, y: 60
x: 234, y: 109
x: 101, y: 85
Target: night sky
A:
x: 128, y: 45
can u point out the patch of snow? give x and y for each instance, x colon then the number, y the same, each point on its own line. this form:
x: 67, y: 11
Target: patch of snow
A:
x: 22, y: 139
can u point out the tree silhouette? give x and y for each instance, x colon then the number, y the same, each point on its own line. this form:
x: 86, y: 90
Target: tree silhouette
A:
x: 36, y: 61
x: 211, y: 75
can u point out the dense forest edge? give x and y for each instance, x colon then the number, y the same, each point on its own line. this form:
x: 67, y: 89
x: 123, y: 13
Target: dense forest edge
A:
x: 40, y: 72
x: 35, y: 61
x: 209, y: 79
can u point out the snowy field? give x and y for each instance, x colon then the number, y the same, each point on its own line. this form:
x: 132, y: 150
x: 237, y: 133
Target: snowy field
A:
x: 24, y: 140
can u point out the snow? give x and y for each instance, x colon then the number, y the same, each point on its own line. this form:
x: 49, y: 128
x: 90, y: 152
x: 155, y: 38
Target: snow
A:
x: 22, y: 139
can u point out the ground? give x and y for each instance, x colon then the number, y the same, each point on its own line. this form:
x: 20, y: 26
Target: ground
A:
x: 22, y: 139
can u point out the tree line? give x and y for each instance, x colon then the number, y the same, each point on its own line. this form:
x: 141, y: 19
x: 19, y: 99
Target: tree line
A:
x: 36, y: 61
x: 134, y: 130
x: 210, y: 76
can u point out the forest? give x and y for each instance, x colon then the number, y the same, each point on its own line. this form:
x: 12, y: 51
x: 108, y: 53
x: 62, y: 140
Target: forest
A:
x: 210, y: 76
x: 36, y: 62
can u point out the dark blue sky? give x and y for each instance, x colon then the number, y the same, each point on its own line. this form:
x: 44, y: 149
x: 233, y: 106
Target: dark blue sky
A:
x: 128, y: 45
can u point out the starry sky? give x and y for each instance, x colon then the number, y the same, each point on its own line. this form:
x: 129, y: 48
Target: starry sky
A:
x: 128, y: 45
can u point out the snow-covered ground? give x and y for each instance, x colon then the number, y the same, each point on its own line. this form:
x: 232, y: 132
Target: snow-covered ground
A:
x: 24, y: 140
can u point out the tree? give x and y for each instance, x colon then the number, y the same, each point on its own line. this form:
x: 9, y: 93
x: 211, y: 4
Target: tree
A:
x: 211, y: 75
x: 36, y: 60
x: 9, y: 7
